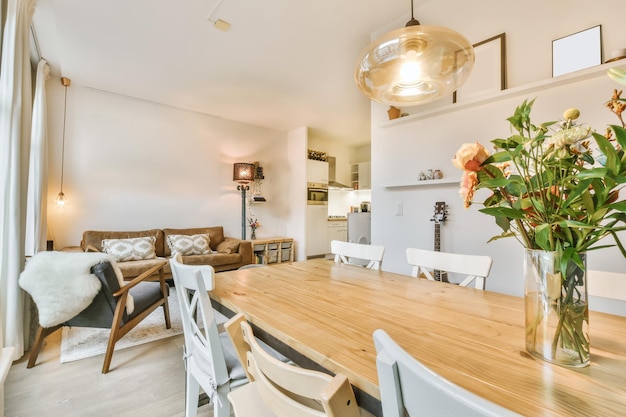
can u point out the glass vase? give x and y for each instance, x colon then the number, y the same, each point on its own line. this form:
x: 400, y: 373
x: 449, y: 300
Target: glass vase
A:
x: 557, y: 313
x: 253, y: 234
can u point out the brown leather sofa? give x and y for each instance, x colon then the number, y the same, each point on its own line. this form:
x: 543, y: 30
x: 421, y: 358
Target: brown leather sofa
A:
x: 228, y: 253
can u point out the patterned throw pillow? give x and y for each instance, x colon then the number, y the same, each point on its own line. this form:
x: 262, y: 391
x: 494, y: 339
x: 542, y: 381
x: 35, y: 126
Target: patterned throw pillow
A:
x: 132, y: 249
x: 189, y: 244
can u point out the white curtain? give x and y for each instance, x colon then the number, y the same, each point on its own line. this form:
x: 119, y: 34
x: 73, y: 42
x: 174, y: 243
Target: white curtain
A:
x: 15, y: 126
x: 38, y: 167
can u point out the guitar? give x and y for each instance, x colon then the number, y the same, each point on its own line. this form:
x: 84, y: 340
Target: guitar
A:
x: 439, y: 217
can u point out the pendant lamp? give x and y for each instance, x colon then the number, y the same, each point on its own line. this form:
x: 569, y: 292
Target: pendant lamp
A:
x: 60, y: 200
x: 414, y: 65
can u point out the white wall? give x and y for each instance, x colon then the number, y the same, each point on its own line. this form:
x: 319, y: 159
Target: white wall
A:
x: 401, y: 150
x: 296, y: 189
x: 133, y: 165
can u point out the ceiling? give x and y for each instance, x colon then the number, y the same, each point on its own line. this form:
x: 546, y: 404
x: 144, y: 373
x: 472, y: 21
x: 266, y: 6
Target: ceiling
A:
x: 283, y: 64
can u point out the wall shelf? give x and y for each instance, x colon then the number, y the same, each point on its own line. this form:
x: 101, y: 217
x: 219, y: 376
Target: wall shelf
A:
x: 586, y: 74
x: 426, y: 183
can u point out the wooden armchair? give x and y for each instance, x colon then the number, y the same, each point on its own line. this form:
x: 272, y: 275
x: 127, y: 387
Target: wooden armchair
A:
x: 108, y: 309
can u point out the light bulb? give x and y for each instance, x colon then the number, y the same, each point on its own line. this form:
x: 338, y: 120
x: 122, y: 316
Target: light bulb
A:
x: 60, y: 200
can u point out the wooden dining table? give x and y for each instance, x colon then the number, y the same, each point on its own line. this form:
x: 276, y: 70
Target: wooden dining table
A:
x: 324, y: 313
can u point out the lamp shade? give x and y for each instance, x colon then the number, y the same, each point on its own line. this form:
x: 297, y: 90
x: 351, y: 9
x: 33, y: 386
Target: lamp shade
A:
x: 243, y: 172
x: 414, y: 65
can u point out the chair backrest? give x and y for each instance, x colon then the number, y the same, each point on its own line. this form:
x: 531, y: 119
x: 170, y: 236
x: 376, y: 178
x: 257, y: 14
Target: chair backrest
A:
x: 290, y: 391
x: 348, y: 252
x: 100, y: 313
x: 202, y: 341
x: 475, y: 267
x: 406, y: 384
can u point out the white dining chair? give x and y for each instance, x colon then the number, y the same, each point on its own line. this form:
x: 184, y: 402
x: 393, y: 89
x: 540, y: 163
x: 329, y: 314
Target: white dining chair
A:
x: 211, y: 362
x: 284, y: 390
x: 406, y: 384
x: 370, y: 256
x: 475, y: 267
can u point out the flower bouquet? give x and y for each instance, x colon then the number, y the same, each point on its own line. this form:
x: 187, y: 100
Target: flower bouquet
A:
x: 557, y: 197
x: 254, y: 224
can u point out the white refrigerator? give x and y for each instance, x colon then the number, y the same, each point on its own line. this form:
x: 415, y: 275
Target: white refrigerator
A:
x: 359, y: 227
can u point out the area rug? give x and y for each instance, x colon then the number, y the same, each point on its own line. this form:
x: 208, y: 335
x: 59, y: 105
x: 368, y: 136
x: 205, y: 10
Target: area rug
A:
x: 83, y: 342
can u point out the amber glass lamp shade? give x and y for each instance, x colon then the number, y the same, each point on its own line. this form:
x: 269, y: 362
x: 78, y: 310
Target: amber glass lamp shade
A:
x: 414, y: 65
x: 243, y: 172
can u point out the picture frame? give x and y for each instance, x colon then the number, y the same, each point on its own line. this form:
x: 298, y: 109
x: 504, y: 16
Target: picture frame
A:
x: 489, y: 73
x: 577, y: 51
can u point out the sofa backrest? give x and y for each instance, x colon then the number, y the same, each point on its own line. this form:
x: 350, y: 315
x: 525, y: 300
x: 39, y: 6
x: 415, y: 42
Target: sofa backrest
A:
x: 94, y: 238
x: 216, y: 235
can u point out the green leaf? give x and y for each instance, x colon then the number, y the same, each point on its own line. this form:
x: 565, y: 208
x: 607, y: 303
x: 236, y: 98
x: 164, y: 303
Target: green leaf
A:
x: 497, y: 157
x: 619, y: 206
x: 494, y: 183
x: 588, y: 202
x: 501, y: 236
x: 503, y: 211
x: 620, y: 135
x: 612, y: 161
x: 594, y: 173
x: 543, y: 236
x: 504, y: 223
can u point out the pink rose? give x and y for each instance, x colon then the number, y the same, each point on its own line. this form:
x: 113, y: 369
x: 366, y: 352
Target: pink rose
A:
x: 470, y: 156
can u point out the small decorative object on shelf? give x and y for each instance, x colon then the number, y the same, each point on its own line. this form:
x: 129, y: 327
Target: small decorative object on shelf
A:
x: 556, y: 189
x: 393, y: 112
x: 318, y: 155
x: 430, y: 174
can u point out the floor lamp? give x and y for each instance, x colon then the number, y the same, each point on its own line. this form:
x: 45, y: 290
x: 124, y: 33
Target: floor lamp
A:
x: 243, y: 173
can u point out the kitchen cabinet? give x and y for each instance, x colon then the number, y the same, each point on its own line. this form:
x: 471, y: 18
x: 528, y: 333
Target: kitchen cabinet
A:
x: 360, y: 175
x: 316, y: 230
x: 317, y: 171
x: 337, y: 230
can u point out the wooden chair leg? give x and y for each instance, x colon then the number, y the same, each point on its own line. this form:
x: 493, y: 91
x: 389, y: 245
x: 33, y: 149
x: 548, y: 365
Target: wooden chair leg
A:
x: 114, y: 336
x: 42, y: 333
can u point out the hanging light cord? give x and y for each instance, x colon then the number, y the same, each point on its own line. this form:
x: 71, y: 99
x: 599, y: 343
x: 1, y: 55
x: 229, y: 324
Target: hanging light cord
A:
x: 413, y: 21
x: 63, y: 145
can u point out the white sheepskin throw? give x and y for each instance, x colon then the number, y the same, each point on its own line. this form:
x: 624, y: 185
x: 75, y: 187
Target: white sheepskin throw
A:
x: 61, y: 284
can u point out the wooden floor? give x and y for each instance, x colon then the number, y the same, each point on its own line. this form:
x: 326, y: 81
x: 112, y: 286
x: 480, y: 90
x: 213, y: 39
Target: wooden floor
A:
x: 145, y: 380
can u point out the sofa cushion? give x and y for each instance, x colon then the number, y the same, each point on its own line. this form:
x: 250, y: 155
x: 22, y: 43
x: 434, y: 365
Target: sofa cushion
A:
x: 189, y: 244
x: 94, y: 238
x: 229, y: 245
x: 214, y: 259
x: 216, y: 235
x: 131, y: 249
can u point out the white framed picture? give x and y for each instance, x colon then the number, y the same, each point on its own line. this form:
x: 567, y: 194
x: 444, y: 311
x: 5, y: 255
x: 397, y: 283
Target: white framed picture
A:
x: 577, y: 51
x: 489, y: 73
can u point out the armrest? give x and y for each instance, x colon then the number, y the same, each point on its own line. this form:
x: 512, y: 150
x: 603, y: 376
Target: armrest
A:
x: 142, y: 277
x: 91, y: 248
x: 245, y: 250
